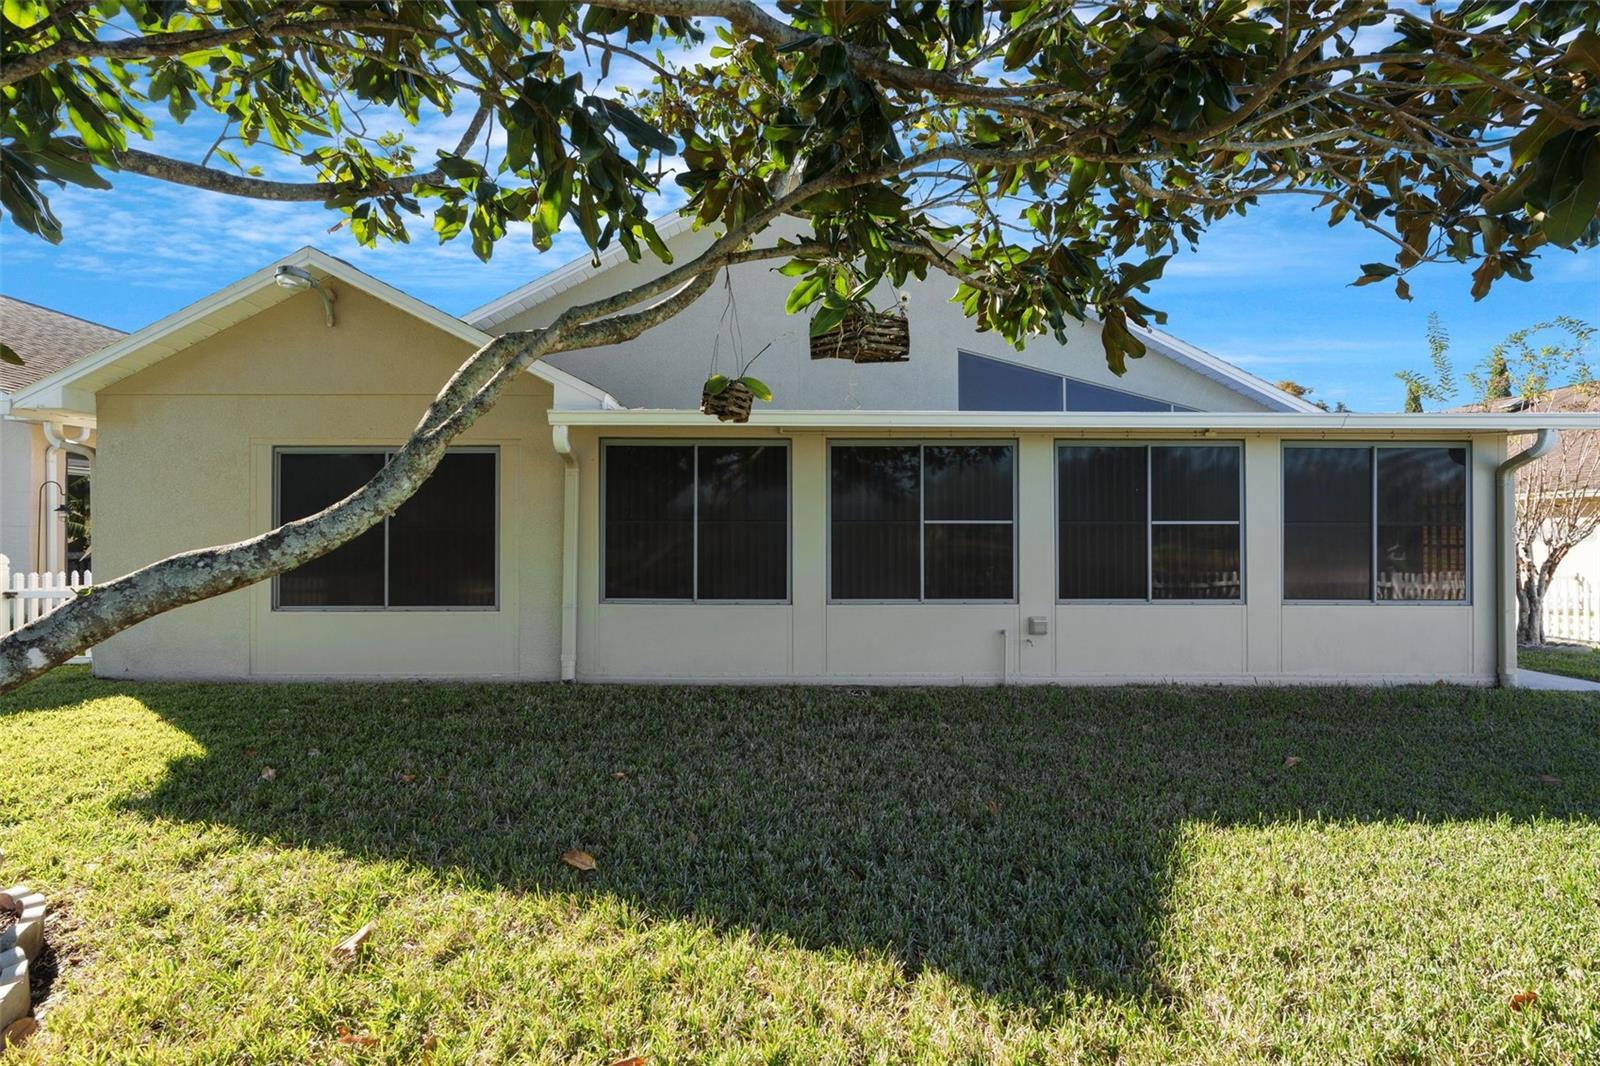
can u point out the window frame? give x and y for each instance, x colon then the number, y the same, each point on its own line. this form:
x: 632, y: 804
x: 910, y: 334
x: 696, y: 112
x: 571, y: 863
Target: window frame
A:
x: 1150, y: 523
x: 378, y: 449
x: 695, y: 444
x: 1063, y: 379
x: 1373, y: 447
x: 922, y: 444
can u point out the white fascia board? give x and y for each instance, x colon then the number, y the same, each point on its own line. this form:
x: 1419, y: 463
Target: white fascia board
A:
x: 562, y: 278
x: 1309, y: 424
x: 70, y: 390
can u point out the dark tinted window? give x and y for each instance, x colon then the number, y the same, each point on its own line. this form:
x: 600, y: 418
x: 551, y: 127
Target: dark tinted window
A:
x: 1103, y: 509
x: 1082, y: 396
x: 1154, y: 522
x: 876, y: 518
x: 993, y: 385
x: 437, y: 550
x: 649, y: 523
x: 442, y: 540
x: 1199, y: 484
x: 1422, y: 524
x: 933, y: 522
x: 1327, y: 523
x: 352, y: 574
x: 651, y: 496
x: 967, y: 483
x: 1194, y: 562
x: 744, y: 522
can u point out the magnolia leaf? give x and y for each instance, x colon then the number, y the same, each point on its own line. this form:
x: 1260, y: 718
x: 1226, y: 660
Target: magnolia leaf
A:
x: 578, y: 860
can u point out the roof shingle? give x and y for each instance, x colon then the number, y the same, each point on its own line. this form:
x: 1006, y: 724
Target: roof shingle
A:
x: 46, y: 341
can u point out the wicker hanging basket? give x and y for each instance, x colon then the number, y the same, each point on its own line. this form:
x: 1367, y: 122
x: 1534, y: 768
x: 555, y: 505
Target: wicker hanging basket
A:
x: 731, y: 404
x: 866, y: 337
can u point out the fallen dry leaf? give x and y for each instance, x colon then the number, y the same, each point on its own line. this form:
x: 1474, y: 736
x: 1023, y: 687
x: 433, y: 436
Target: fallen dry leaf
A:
x: 994, y: 808
x: 406, y: 779
x: 633, y: 1060
x: 1524, y: 999
x: 619, y: 775
x: 18, y: 1032
x: 578, y: 860
x: 349, y: 1039
x: 250, y: 753
x: 1549, y: 779
x: 353, y: 944
x: 268, y: 773
x: 1291, y: 762
x: 694, y: 838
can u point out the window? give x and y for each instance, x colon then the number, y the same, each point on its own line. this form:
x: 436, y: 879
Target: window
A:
x: 1157, y: 522
x: 923, y: 521
x: 437, y: 551
x: 696, y: 522
x: 984, y: 384
x: 1377, y: 524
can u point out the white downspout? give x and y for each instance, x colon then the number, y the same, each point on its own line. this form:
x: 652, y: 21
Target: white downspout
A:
x: 56, y: 438
x: 562, y: 440
x: 1505, y: 511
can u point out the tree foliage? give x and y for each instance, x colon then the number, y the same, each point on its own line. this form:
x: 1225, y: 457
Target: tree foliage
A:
x: 1051, y: 157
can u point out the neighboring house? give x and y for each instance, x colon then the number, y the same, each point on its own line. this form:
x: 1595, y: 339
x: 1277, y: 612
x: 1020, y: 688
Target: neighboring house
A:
x: 1568, y: 472
x: 39, y: 456
x: 975, y: 514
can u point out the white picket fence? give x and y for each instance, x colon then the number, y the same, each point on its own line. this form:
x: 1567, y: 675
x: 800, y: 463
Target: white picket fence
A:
x: 1572, y: 609
x: 26, y: 596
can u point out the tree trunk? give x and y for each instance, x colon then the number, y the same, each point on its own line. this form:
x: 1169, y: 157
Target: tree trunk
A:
x: 1530, y: 610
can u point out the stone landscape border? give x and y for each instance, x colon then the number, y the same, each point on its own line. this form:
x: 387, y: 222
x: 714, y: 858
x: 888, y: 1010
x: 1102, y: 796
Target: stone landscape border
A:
x: 19, y: 945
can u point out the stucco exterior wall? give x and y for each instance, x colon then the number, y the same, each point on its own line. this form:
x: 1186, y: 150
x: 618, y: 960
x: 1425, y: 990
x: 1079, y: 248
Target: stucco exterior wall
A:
x: 22, y: 448
x: 666, y: 367
x: 185, y: 460
x: 1260, y: 639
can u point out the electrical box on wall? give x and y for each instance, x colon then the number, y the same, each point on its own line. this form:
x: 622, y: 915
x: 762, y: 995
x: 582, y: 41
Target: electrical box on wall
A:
x: 1038, y: 625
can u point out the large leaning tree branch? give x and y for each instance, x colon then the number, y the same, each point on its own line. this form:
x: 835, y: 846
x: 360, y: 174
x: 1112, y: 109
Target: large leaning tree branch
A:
x: 1049, y: 158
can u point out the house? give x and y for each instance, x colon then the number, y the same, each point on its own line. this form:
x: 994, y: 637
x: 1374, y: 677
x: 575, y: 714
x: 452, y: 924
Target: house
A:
x: 972, y: 515
x: 42, y: 459
x: 1568, y: 481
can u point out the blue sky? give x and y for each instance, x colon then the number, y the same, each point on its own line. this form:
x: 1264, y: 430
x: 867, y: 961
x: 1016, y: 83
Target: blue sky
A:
x: 1269, y: 292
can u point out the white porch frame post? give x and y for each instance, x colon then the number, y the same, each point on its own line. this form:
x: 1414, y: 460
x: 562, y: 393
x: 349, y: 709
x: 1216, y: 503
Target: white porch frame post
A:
x: 562, y: 440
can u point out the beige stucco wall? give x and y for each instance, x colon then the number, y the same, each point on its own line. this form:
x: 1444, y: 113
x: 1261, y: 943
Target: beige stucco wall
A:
x: 22, y: 462
x: 1262, y: 638
x: 185, y: 460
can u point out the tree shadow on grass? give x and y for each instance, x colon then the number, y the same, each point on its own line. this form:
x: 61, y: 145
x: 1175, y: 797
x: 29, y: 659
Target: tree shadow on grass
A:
x: 1020, y: 841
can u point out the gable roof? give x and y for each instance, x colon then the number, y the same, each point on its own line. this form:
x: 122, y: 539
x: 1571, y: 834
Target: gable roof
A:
x: 1573, y: 468
x: 500, y: 310
x: 45, y: 340
x: 71, y: 389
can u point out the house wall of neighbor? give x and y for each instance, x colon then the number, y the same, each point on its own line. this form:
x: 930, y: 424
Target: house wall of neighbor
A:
x: 665, y: 368
x: 22, y: 463
x: 1260, y: 639
x: 185, y: 460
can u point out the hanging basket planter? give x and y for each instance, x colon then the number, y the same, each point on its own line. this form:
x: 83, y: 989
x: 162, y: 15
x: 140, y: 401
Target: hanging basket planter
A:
x: 865, y: 337
x: 729, y: 400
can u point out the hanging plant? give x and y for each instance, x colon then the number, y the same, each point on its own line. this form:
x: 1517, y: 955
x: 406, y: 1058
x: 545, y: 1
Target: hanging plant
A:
x: 861, y: 334
x: 729, y: 399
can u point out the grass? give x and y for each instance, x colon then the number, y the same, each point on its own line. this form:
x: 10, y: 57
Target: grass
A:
x: 1573, y: 660
x: 803, y: 875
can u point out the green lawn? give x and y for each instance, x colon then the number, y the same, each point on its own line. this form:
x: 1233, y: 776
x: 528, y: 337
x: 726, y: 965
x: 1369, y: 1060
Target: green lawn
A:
x: 804, y: 875
x: 1574, y: 661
